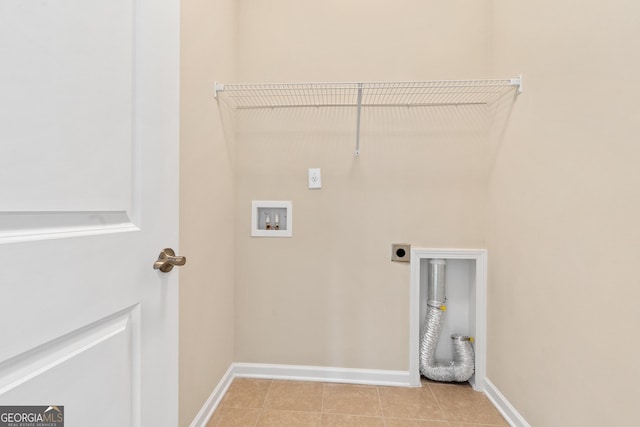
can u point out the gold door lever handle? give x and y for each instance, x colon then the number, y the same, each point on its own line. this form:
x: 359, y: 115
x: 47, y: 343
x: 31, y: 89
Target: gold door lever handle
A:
x: 167, y: 259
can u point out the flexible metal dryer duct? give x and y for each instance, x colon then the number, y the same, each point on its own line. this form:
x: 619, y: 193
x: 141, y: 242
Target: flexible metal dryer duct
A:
x: 462, y: 366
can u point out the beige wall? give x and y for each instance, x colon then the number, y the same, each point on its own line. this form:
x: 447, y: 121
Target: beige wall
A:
x: 361, y: 40
x: 330, y: 296
x: 564, y: 240
x: 563, y: 195
x: 206, y: 205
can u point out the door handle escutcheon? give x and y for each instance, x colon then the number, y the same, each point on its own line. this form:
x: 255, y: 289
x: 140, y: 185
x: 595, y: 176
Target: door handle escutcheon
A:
x: 167, y: 259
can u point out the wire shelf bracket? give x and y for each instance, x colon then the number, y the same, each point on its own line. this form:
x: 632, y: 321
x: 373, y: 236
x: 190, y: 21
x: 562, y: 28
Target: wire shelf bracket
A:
x: 217, y: 87
x: 517, y: 81
x: 361, y: 95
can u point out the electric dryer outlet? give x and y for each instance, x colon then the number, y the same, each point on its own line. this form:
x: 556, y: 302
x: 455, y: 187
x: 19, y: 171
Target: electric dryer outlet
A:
x: 401, y: 252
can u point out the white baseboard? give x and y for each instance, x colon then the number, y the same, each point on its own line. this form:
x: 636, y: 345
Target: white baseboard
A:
x: 338, y: 375
x: 505, y: 408
x: 296, y: 373
x: 209, y: 407
x: 323, y: 374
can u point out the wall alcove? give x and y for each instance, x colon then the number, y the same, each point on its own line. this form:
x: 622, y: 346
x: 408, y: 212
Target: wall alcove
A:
x: 425, y: 149
x: 466, y: 301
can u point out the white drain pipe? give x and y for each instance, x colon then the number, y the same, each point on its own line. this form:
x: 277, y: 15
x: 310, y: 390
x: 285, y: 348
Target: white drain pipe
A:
x: 461, y: 368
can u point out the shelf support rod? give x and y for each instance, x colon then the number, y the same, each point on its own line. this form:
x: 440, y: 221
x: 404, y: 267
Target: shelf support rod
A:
x: 358, y: 119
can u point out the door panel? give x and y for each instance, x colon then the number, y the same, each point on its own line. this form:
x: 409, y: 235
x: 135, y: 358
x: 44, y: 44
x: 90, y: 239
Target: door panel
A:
x: 89, y: 131
x: 49, y: 373
x: 70, y: 68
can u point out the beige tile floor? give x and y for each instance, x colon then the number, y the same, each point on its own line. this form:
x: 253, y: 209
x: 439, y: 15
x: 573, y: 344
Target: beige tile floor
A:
x: 259, y: 403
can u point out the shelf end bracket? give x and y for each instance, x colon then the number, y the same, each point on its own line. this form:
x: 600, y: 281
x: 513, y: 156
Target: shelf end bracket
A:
x: 517, y: 82
x: 217, y: 87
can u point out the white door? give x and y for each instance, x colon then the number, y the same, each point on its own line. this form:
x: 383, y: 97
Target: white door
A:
x: 88, y: 199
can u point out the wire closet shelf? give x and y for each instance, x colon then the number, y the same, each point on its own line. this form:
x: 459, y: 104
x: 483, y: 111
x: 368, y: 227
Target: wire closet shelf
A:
x: 373, y: 94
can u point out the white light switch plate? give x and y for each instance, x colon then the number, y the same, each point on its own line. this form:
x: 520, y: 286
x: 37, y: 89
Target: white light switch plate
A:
x: 315, y: 179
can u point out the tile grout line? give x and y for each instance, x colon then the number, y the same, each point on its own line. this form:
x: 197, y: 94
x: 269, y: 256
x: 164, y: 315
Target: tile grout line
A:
x: 444, y: 414
x: 384, y: 418
x: 264, y: 402
x: 324, y: 386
